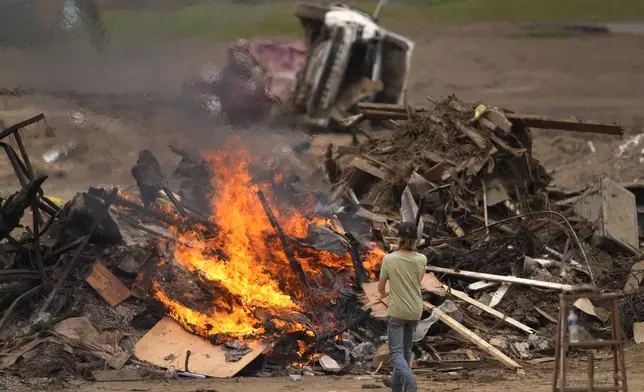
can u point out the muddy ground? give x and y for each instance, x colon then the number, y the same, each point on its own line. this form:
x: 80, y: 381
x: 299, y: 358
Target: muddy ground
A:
x: 537, y: 379
x: 592, y: 77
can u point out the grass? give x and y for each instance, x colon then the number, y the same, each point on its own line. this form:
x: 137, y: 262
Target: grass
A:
x: 226, y: 21
x: 556, y: 32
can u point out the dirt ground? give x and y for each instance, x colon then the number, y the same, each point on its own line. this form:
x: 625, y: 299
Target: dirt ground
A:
x: 492, y: 63
x: 537, y: 379
x: 591, y: 77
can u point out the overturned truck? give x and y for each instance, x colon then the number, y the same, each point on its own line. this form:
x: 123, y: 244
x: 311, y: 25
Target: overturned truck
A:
x: 350, y: 59
x: 346, y: 58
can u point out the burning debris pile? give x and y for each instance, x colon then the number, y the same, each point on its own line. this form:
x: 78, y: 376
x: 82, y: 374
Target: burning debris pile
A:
x: 242, y: 258
x: 238, y: 264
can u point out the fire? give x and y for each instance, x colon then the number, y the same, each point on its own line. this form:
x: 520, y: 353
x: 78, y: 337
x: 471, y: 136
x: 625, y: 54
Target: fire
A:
x: 245, y: 258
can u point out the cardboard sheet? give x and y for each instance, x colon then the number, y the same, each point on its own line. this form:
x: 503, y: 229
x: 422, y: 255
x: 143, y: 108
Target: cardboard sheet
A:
x: 166, y: 345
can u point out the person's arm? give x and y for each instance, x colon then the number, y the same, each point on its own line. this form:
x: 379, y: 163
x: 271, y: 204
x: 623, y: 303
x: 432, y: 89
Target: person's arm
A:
x: 384, y: 277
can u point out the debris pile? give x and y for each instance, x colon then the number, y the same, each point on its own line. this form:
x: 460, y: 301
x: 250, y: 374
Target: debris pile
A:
x: 502, y: 242
x: 236, y: 264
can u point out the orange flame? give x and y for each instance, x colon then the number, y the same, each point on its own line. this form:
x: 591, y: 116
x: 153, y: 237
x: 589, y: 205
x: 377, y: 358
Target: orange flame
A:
x: 245, y: 258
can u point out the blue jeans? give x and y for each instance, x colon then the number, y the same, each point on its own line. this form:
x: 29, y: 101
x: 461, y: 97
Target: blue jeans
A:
x: 401, y: 339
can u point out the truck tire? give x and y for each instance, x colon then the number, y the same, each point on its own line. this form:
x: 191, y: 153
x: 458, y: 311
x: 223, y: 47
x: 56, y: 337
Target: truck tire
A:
x: 314, y: 12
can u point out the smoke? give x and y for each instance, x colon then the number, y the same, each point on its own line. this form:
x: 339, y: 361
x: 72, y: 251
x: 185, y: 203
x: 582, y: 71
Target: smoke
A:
x: 131, y: 90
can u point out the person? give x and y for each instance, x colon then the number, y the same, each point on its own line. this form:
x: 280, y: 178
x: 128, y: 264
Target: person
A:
x: 404, y: 270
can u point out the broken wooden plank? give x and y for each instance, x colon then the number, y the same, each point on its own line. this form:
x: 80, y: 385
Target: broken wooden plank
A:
x: 432, y: 285
x: 517, y: 152
x: 566, y: 124
x: 167, y: 343
x: 463, y: 296
x: 352, y: 121
x: 471, y: 336
x: 545, y: 314
x: 377, y: 162
x: 498, y: 119
x: 472, y: 134
x: 512, y: 279
x: 499, y: 294
x: 481, y: 285
x: 538, y: 361
x: 107, y: 285
x: 361, y: 164
x: 384, y: 115
x: 348, y: 150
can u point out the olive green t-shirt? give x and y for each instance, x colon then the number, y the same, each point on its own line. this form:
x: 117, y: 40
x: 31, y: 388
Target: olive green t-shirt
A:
x: 405, y: 271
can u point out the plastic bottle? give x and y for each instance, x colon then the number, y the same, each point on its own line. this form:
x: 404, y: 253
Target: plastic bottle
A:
x: 64, y: 150
x: 573, y: 328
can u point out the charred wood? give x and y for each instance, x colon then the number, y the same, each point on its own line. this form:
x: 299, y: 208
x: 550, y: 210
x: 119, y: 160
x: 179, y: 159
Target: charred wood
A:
x: 72, y: 263
x: 354, y: 249
x: 288, y: 250
x: 13, y: 209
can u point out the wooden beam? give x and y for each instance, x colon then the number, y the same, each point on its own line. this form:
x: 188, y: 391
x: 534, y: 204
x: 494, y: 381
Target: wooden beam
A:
x: 511, y: 279
x: 471, y: 336
x: 361, y: 163
x: 499, y: 294
x: 16, y: 127
x: 566, y: 125
x: 463, y: 296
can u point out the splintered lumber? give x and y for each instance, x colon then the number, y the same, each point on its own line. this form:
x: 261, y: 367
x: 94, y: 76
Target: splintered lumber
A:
x: 566, y: 125
x: 12, y: 129
x: 362, y: 164
x: 499, y: 294
x: 463, y: 296
x: 471, y: 336
x: 107, y: 285
x: 288, y: 250
x: 353, y: 121
x: 509, y: 279
x: 472, y: 134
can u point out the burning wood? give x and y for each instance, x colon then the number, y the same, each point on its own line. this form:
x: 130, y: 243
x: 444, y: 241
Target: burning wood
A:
x: 263, y: 270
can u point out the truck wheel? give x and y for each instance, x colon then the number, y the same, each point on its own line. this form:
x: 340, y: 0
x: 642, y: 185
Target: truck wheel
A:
x: 314, y: 12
